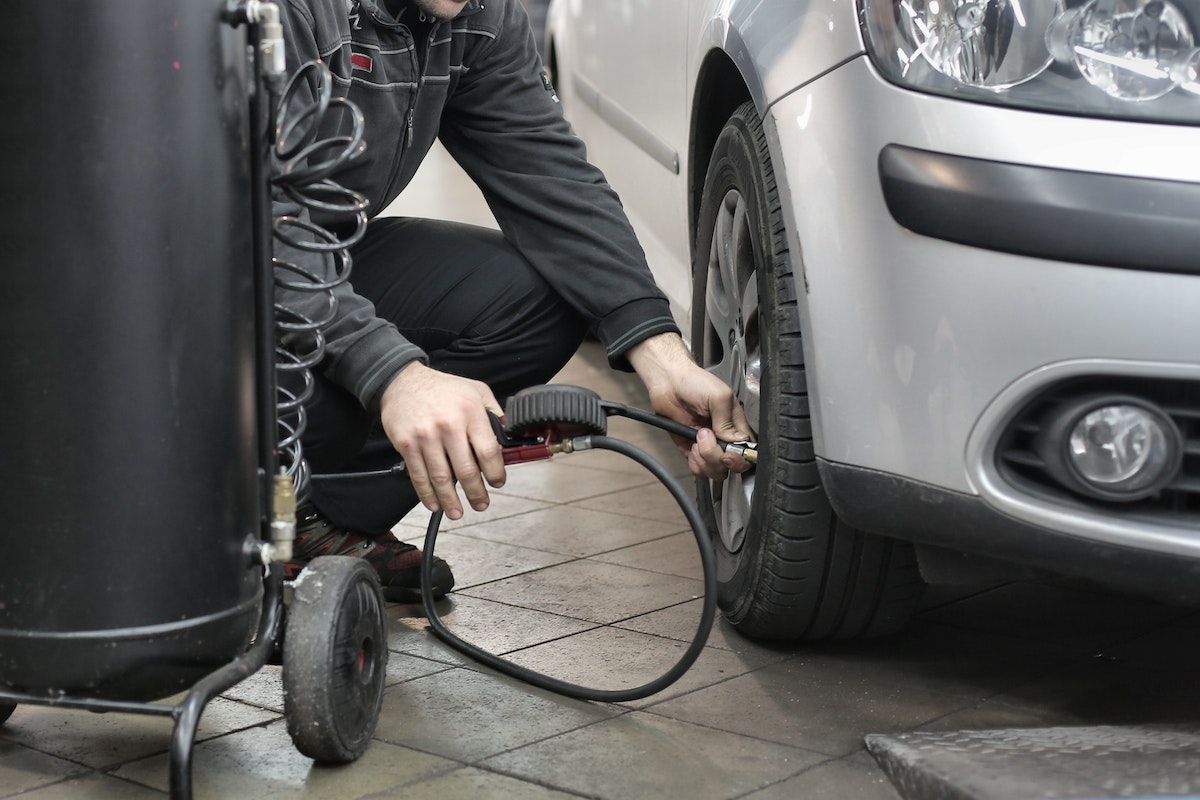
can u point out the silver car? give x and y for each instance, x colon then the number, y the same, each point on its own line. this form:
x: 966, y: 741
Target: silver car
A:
x: 948, y: 255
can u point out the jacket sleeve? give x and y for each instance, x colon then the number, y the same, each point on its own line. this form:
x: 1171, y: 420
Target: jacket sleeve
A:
x: 504, y: 126
x: 362, y: 351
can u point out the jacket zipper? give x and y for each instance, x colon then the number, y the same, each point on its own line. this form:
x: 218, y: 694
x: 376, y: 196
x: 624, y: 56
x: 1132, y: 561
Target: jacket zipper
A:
x: 416, y: 90
x: 409, y: 117
x: 412, y: 109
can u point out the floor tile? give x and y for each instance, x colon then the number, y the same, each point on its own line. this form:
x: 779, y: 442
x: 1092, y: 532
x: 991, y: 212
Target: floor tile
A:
x: 819, y: 709
x: 855, y: 776
x: 263, y: 763
x: 1057, y: 613
x: 94, y: 787
x: 616, y: 659
x: 23, y: 769
x: 501, y: 504
x: 568, y: 479
x: 571, y: 531
x: 643, y: 756
x: 678, y: 622
x: 663, y: 451
x: 408, y: 634
x: 474, y: 561
x: 265, y: 688
x: 944, y: 659
x: 994, y: 713
x: 497, y: 627
x: 104, y: 740
x: 469, y: 715
x: 651, y: 501
x: 592, y: 591
x: 671, y: 555
x: 1112, y: 690
x: 470, y: 783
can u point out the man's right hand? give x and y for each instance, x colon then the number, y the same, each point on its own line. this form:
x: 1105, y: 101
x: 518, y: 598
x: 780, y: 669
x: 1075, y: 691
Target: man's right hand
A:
x: 439, y: 423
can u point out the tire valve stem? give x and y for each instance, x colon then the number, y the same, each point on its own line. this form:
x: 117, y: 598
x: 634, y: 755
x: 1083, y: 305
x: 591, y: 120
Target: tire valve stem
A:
x: 747, y: 450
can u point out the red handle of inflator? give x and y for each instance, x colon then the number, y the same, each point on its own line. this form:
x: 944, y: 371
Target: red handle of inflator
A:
x: 528, y: 448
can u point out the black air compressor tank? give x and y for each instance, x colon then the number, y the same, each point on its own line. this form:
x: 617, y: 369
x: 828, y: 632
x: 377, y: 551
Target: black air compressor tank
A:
x: 128, y: 453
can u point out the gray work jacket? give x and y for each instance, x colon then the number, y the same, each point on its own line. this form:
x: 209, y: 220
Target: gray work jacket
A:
x: 476, y: 83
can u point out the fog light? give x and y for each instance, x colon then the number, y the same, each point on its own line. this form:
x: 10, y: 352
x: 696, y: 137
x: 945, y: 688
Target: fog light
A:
x: 1111, y: 447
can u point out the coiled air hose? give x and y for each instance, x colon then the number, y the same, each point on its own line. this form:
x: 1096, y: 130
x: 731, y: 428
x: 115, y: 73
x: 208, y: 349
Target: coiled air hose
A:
x: 302, y: 164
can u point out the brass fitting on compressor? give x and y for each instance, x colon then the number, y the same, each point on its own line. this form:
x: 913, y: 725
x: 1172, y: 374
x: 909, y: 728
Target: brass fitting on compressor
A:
x: 283, y: 521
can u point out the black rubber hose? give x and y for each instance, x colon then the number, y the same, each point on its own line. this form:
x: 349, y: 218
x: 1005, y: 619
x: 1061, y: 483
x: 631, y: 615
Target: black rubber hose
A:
x: 707, y: 559
x: 649, y: 418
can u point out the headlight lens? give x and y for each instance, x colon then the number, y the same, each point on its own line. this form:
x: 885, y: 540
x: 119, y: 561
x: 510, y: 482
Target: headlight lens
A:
x: 1134, y: 59
x: 990, y: 45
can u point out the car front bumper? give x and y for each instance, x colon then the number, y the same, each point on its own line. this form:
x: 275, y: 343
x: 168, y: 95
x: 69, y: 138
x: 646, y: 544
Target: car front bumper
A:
x: 1019, y: 249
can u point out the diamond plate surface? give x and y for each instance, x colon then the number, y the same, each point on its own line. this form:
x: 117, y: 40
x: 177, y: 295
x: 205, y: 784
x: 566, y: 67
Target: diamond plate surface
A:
x: 1064, y: 762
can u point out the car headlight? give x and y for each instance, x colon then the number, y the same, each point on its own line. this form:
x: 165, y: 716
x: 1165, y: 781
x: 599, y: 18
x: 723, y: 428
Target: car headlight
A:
x: 1133, y: 59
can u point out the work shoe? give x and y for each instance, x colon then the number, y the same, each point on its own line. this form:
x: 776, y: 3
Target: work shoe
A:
x: 397, y: 563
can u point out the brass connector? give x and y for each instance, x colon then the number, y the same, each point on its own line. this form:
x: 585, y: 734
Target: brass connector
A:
x: 747, y: 450
x: 283, y: 520
x: 570, y: 445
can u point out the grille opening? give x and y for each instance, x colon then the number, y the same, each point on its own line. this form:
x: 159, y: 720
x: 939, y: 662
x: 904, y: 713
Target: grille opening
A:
x: 1178, y: 504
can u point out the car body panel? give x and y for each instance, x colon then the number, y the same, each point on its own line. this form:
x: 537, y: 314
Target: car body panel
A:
x: 760, y: 37
x: 911, y: 337
x: 600, y: 34
x: 777, y: 45
x: 918, y: 350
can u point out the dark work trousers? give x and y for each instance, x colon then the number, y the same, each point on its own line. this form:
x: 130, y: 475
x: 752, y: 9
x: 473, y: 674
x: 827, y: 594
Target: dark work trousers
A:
x: 478, y: 309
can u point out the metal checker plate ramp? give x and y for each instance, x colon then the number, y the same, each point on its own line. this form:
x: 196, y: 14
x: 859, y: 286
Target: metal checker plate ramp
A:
x: 1065, y: 762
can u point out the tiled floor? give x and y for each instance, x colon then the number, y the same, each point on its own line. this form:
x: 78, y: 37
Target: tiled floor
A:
x: 583, y: 567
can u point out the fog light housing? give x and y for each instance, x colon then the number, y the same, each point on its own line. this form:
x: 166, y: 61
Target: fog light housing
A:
x: 1111, y: 447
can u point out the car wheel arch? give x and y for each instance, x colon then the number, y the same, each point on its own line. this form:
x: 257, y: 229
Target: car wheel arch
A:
x: 720, y: 89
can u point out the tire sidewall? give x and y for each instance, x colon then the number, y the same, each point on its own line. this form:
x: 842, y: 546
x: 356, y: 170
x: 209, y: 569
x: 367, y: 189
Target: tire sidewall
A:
x: 736, y: 165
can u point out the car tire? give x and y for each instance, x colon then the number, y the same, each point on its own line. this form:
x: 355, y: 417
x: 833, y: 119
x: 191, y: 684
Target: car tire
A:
x: 788, y: 568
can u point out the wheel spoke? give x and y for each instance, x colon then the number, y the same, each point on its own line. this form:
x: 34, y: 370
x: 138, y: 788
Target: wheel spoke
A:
x: 734, y: 246
x: 720, y: 295
x: 751, y: 385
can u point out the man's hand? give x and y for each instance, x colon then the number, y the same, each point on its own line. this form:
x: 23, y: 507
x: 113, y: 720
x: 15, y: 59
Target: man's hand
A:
x: 686, y: 393
x: 439, y: 424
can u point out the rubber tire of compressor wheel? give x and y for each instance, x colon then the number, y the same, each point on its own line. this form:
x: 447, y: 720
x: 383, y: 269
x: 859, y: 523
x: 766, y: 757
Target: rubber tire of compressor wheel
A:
x: 334, y: 659
x: 6, y: 710
x: 788, y: 568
